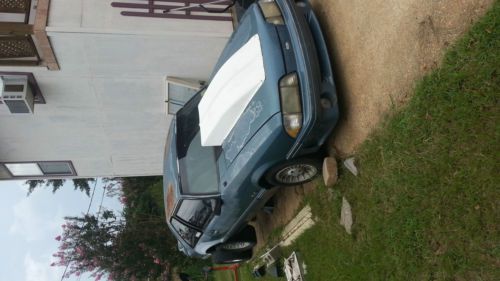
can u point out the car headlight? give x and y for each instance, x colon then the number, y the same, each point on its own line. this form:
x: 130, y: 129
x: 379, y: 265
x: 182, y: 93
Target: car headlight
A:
x: 271, y: 12
x: 291, y: 107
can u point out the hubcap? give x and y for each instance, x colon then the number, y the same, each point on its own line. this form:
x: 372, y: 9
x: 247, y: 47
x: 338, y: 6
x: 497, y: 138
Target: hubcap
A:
x: 236, y: 245
x: 296, y: 173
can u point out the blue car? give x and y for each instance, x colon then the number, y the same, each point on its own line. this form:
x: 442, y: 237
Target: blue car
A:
x: 260, y: 122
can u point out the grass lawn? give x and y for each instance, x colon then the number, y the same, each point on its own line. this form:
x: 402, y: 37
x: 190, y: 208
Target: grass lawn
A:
x: 426, y: 202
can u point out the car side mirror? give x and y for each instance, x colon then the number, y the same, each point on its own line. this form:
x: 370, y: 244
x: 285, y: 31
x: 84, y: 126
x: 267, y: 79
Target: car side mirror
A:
x: 217, y: 206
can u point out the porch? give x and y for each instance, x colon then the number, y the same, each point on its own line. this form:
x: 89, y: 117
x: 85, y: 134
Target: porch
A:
x: 23, y: 38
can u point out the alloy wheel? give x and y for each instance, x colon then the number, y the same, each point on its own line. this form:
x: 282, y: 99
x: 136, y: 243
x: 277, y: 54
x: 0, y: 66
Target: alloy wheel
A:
x: 296, y: 173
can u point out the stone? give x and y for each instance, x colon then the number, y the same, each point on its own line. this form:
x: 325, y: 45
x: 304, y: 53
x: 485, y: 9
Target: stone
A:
x: 330, y: 174
x: 349, y: 164
x: 346, y: 216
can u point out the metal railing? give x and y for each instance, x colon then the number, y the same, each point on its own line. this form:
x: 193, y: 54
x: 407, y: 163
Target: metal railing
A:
x: 177, y: 9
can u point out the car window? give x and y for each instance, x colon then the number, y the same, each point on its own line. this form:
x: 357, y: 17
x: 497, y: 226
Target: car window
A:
x: 196, y: 212
x: 190, y: 235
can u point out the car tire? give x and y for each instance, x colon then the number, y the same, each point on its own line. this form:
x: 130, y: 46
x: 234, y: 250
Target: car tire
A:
x: 220, y: 256
x: 242, y: 241
x: 294, y: 172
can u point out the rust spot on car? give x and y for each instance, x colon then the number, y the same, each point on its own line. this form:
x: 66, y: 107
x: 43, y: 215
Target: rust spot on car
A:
x: 169, y: 201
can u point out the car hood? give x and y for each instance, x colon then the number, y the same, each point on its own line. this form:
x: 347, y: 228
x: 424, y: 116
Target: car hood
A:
x: 230, y: 91
x: 256, y: 100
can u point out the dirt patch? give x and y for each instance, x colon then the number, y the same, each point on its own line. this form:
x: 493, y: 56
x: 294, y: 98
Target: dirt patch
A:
x: 380, y: 48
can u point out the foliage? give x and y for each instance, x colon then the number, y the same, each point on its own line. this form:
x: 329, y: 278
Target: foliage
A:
x: 87, y: 243
x: 79, y: 184
x: 133, y: 245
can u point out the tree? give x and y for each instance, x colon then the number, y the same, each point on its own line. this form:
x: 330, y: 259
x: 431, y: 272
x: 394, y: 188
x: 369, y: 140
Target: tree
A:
x: 133, y: 245
x: 79, y: 184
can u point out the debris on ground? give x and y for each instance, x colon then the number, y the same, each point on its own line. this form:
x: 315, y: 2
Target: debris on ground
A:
x: 267, y: 271
x: 330, y: 174
x: 297, y: 226
x: 346, y: 215
x: 293, y: 268
x: 349, y: 164
x: 271, y: 255
x: 268, y: 264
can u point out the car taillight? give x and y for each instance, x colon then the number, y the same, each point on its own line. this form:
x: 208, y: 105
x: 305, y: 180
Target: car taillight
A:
x: 291, y: 107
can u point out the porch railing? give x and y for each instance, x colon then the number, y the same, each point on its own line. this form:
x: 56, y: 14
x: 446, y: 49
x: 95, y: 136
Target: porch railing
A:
x: 23, y: 39
x: 16, y: 7
x: 18, y: 50
x: 174, y: 9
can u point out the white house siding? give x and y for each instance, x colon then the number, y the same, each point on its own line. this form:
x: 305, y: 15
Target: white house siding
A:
x: 98, y: 15
x: 105, y: 108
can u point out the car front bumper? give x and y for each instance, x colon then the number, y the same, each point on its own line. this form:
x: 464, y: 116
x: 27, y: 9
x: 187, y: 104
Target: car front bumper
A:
x: 305, y: 51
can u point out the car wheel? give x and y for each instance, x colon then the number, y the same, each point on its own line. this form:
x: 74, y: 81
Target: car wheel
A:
x: 293, y: 172
x: 220, y: 256
x: 237, y: 246
x: 244, y: 240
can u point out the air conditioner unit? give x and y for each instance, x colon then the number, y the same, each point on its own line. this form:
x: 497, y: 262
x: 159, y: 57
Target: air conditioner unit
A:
x: 16, y: 95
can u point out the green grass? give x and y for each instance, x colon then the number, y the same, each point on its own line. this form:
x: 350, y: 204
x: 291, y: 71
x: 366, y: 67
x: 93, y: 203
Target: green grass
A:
x: 426, y: 202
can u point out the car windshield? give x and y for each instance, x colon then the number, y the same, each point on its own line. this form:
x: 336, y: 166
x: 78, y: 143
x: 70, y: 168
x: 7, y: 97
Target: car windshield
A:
x: 197, y: 163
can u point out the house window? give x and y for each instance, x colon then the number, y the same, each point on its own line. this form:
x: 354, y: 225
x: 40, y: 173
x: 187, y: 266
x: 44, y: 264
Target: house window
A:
x: 180, y: 91
x: 178, y: 96
x: 41, y: 169
x: 56, y: 168
x: 24, y: 169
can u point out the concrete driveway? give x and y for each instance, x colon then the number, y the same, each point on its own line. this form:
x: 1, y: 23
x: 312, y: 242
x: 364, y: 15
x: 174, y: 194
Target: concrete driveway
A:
x: 379, y: 49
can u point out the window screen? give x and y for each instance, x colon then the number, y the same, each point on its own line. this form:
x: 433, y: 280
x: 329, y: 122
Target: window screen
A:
x: 178, y: 96
x: 56, y: 168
